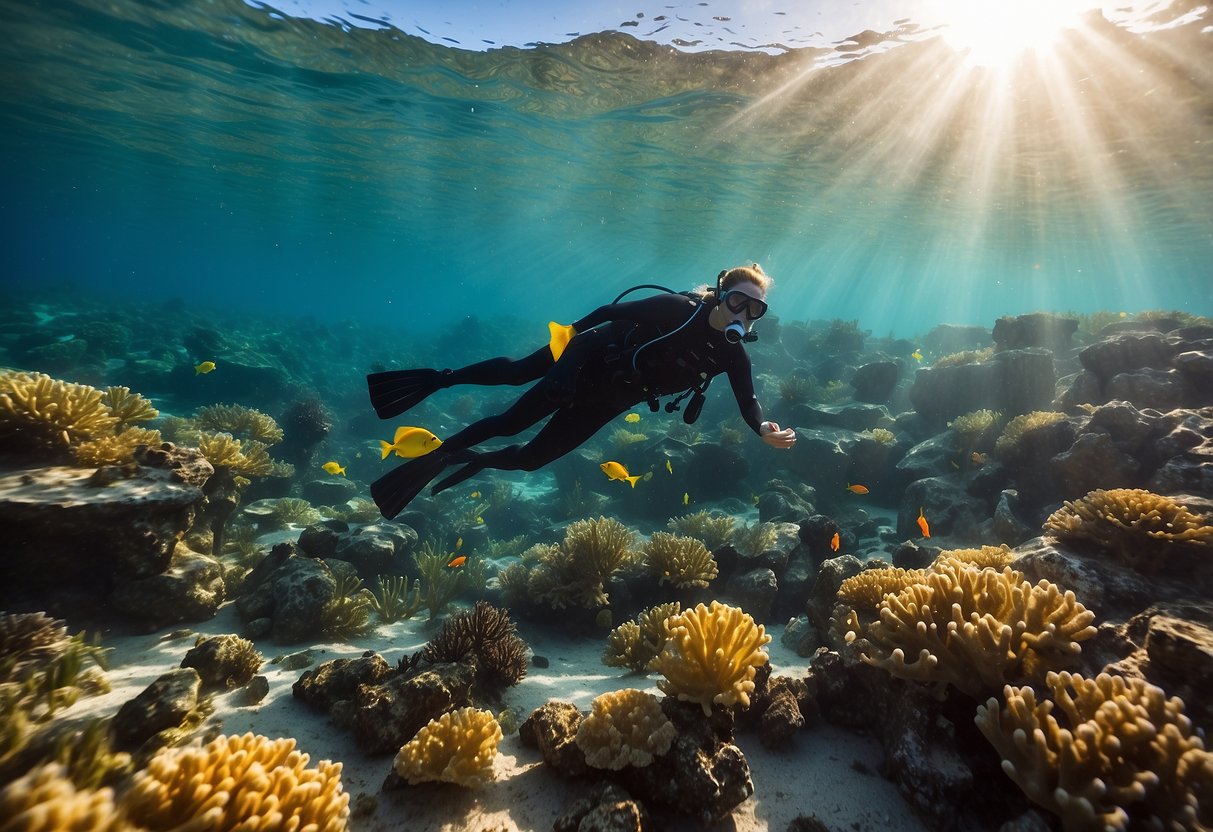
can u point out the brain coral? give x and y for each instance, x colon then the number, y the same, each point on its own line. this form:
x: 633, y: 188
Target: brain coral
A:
x: 459, y: 747
x: 625, y: 728
x: 1106, y: 754
x: 710, y: 656
x: 974, y: 628
x: 1138, y: 526
x: 238, y: 782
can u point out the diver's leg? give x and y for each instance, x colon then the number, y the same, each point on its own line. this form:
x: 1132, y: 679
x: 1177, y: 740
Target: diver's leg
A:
x: 395, y: 391
x: 496, y: 371
x: 568, y: 429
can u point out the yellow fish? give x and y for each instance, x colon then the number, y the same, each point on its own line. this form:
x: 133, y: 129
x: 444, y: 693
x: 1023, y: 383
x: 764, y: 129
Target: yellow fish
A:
x: 410, y: 442
x: 916, y: 355
x: 475, y: 495
x: 458, y: 543
x: 977, y: 458
x: 616, y: 471
x: 632, y: 418
x: 333, y: 468
x: 669, y: 467
x: 203, y: 368
x: 686, y: 498
x: 559, y: 338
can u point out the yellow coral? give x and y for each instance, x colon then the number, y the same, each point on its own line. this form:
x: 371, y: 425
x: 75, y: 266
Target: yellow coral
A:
x: 711, y: 655
x: 116, y: 448
x: 223, y: 450
x: 1139, y: 526
x: 600, y: 546
x: 714, y: 530
x: 625, y: 728
x: 45, y: 412
x: 240, y: 421
x: 46, y: 800
x: 239, y: 782
x: 970, y: 426
x: 867, y: 589
x: 633, y: 644
x: 974, y: 628
x: 128, y: 407
x: 995, y: 556
x: 755, y: 539
x: 683, y: 562
x: 964, y: 357
x: 1021, y: 426
x: 573, y: 573
x: 1104, y: 753
x: 458, y: 747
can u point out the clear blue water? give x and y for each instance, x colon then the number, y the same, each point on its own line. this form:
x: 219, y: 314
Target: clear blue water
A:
x: 228, y: 154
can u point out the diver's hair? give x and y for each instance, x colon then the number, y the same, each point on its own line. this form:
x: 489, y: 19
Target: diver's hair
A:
x: 752, y: 273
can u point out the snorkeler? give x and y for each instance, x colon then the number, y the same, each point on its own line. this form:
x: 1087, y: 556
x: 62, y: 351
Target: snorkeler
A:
x: 622, y: 354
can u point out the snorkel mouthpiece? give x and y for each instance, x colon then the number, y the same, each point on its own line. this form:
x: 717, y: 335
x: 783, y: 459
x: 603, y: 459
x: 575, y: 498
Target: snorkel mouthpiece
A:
x: 735, y: 332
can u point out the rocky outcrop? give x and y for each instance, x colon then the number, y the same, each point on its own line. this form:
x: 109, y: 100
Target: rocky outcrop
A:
x: 1011, y: 382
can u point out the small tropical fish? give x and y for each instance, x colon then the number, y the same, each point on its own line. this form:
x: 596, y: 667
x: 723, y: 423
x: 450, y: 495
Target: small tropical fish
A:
x: 754, y: 498
x: 857, y: 489
x: 560, y: 336
x: 669, y: 467
x: 410, y: 442
x: 686, y: 498
x: 203, y: 368
x: 333, y: 468
x: 916, y: 355
x: 922, y: 523
x: 977, y: 458
x: 458, y: 543
x: 457, y: 562
x: 1124, y: 314
x: 616, y: 471
x: 835, y: 542
x: 475, y: 495
x: 632, y: 418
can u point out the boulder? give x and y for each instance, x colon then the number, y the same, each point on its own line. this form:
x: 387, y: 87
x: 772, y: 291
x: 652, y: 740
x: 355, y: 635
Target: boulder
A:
x: 1037, y: 329
x: 1011, y: 382
x: 191, y: 589
x: 164, y: 704
x: 874, y: 381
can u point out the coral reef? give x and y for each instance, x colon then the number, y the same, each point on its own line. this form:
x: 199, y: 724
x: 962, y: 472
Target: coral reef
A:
x: 46, y: 800
x: 40, y: 414
x: 715, y: 530
x: 241, y: 422
x: 971, y: 426
x: 574, y: 572
x: 395, y: 601
x: 682, y: 562
x: 633, y: 644
x: 710, y: 656
x: 975, y: 629
x: 993, y: 556
x: 459, y: 747
x: 955, y: 359
x: 243, y: 458
x: 228, y: 661
x: 234, y: 780
x: 115, y: 448
x: 487, y: 634
x: 755, y: 539
x: 128, y: 407
x: 625, y: 728
x: 1139, y: 527
x: 1107, y: 753
x: 867, y: 589
x: 1022, y: 425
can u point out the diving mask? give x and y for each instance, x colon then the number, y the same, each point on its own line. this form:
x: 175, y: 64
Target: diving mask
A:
x: 736, y: 302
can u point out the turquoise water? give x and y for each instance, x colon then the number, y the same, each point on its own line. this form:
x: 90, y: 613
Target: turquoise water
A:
x: 228, y: 154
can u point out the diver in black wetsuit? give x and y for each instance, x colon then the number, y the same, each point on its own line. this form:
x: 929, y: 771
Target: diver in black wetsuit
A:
x: 623, y: 354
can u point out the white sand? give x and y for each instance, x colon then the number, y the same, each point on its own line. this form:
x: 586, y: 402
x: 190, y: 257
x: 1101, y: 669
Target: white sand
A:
x: 814, y: 777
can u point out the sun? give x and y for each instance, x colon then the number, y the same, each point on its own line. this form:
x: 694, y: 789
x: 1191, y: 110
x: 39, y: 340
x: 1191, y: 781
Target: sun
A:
x: 995, y: 33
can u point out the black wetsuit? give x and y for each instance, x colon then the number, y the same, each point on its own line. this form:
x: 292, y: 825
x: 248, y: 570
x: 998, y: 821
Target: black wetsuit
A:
x: 623, y: 354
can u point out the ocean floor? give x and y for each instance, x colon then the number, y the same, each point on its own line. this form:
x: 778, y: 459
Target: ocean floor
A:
x: 829, y: 772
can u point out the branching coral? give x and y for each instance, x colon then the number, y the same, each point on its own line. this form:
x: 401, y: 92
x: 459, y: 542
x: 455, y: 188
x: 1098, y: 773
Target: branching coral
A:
x: 486, y: 634
x: 226, y: 660
x: 240, y: 421
x: 1138, y: 526
x: 239, y: 782
x: 128, y: 407
x: 625, y: 728
x: 970, y: 427
x: 600, y: 546
x: 1021, y: 426
x: 623, y: 438
x: 714, y: 530
x: 292, y: 510
x: 634, y: 644
x: 46, y: 800
x: 974, y: 628
x: 459, y: 747
x: 755, y: 539
x: 995, y: 556
x: 115, y: 448
x: 395, y: 601
x: 881, y: 436
x: 964, y: 357
x: 1107, y: 753
x: 41, y: 413
x: 866, y: 590
x: 683, y: 562
x: 348, y: 613
x: 222, y: 450
x: 574, y: 572
x: 711, y: 655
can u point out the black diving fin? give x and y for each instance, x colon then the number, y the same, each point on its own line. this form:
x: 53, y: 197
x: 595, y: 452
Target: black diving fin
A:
x: 396, y: 391
x: 397, y: 488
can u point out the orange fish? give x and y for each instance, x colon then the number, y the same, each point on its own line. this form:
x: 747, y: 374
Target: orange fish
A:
x: 834, y: 542
x: 457, y: 562
x: 857, y: 489
x: 922, y: 523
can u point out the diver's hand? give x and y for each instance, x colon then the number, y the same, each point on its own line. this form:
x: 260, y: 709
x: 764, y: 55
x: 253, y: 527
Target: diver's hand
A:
x: 776, y: 438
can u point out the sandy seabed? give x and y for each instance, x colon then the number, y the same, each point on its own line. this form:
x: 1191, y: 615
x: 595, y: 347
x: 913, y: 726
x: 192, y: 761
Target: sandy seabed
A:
x: 828, y: 772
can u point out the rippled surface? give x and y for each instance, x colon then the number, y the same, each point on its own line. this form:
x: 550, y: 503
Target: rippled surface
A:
x: 220, y: 148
